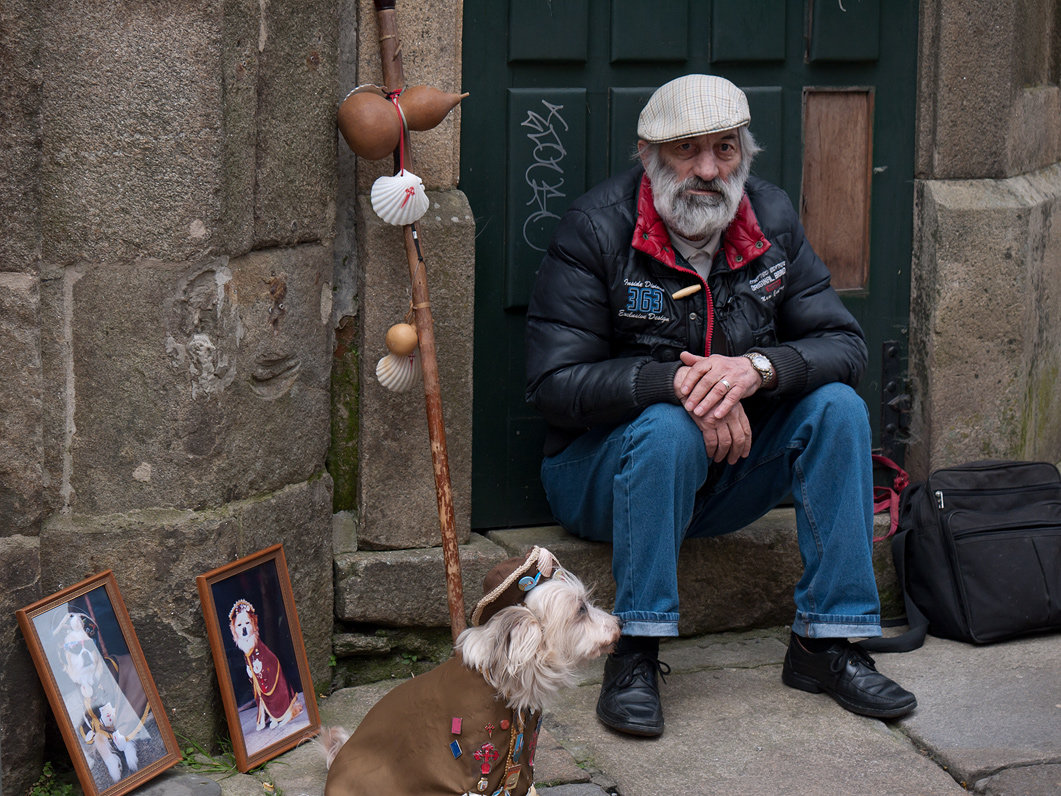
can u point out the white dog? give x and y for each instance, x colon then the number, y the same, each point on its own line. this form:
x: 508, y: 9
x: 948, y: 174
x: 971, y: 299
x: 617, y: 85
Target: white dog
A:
x: 276, y: 700
x: 103, y: 707
x: 106, y: 724
x: 470, y: 726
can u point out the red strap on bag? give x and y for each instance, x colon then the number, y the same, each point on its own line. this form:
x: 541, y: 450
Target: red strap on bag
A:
x: 886, y: 498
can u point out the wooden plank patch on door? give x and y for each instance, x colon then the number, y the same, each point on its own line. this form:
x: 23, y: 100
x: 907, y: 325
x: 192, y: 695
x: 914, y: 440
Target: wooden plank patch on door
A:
x: 837, y: 177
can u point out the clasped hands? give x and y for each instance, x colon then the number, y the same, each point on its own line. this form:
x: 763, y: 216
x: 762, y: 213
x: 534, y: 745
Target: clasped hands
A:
x: 711, y: 388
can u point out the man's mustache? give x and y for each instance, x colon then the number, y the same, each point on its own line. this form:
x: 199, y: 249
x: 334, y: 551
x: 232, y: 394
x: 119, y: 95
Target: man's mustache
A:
x: 700, y: 184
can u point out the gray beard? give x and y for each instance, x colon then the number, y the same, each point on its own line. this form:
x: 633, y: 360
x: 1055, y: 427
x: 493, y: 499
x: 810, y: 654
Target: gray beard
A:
x: 691, y: 215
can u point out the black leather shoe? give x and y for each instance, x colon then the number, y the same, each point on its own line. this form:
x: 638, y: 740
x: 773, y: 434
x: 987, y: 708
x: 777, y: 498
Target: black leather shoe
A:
x: 629, y: 696
x: 848, y: 674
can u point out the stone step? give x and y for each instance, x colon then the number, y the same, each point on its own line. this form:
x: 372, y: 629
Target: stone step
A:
x: 735, y: 582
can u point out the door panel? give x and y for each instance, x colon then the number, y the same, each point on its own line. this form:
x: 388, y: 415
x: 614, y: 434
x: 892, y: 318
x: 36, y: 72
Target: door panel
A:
x: 655, y: 33
x: 624, y: 105
x: 750, y: 31
x: 844, y: 31
x: 539, y: 30
x: 556, y: 89
x: 766, y: 104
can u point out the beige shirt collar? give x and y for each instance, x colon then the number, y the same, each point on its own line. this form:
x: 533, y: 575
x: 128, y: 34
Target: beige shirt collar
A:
x: 699, y: 253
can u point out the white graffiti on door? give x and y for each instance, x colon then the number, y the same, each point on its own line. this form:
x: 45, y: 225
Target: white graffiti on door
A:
x: 545, y: 176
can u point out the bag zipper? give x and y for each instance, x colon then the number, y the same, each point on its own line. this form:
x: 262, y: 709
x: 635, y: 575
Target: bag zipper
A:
x: 1021, y: 524
x: 941, y: 500
x: 1019, y: 529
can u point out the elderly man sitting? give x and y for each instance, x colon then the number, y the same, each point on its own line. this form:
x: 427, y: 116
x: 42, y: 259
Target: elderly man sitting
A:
x: 695, y: 367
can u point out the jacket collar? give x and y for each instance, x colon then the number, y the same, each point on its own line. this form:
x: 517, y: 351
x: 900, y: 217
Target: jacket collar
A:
x: 742, y: 241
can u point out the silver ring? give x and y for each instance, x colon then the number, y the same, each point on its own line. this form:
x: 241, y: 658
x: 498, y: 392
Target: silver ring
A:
x: 728, y: 385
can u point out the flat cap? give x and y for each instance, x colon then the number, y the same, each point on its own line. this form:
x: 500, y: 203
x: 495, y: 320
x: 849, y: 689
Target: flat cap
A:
x: 692, y: 105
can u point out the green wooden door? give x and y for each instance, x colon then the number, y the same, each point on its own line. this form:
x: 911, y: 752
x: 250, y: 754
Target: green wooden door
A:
x: 556, y: 87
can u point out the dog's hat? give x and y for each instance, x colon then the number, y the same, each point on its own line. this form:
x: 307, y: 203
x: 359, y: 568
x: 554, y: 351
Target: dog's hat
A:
x: 62, y: 622
x: 508, y: 582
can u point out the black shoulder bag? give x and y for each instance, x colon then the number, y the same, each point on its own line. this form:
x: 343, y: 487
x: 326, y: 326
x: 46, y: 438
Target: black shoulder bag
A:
x: 978, y: 554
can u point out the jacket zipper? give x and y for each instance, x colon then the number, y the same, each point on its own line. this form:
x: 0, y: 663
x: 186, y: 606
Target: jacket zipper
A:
x: 709, y: 317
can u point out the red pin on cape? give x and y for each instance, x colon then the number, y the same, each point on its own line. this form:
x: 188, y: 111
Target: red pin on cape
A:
x: 375, y: 122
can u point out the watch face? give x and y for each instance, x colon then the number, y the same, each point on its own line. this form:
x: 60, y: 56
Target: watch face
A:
x: 762, y: 365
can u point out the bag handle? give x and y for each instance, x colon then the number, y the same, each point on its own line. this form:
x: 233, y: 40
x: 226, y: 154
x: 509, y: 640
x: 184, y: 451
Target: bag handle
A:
x: 886, y: 498
x: 918, y: 624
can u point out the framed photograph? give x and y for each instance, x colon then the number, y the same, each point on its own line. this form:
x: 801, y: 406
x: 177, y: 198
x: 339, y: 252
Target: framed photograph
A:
x: 98, y: 684
x: 259, y: 656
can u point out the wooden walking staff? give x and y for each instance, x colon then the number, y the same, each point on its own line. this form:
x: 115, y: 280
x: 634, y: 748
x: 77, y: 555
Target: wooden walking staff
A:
x: 394, y: 80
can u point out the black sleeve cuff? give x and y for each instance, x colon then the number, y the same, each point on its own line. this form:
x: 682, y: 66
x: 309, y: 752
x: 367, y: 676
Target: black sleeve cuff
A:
x: 790, y: 368
x: 654, y: 383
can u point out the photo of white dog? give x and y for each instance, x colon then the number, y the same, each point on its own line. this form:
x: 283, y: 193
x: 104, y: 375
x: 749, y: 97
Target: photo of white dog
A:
x: 109, y: 707
x: 277, y: 702
x: 100, y: 726
x: 470, y: 726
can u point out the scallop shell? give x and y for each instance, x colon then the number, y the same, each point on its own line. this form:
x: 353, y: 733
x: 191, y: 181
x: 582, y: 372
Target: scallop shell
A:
x: 399, y: 199
x: 369, y: 123
x: 398, y: 373
x: 426, y: 106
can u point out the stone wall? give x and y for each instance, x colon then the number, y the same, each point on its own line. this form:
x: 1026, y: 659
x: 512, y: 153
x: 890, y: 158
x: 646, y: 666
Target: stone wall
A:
x: 22, y: 389
x: 168, y: 197
x: 985, y: 336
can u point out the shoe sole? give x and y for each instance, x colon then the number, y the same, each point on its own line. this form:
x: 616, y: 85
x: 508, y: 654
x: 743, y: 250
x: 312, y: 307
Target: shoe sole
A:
x: 812, y: 686
x: 640, y: 730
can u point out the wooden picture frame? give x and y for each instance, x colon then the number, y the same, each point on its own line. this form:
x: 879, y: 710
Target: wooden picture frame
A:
x: 265, y: 683
x: 99, y: 687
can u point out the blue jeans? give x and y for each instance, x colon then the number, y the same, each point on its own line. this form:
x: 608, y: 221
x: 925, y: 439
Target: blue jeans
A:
x: 641, y: 486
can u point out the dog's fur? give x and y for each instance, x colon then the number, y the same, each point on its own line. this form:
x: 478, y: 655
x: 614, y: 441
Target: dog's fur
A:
x: 525, y: 653
x: 530, y: 652
x: 243, y: 624
x: 100, y: 683
x: 100, y: 726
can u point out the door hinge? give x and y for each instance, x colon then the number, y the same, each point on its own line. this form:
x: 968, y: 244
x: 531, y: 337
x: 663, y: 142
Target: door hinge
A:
x: 895, y: 402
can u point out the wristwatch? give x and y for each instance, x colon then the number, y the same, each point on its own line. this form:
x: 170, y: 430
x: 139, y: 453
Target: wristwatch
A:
x: 762, y: 365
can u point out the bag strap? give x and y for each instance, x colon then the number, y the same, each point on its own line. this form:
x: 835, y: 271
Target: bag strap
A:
x: 886, y: 498
x: 918, y: 624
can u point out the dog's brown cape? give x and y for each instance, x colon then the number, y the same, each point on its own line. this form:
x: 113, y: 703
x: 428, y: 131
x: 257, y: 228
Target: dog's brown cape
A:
x: 402, y: 747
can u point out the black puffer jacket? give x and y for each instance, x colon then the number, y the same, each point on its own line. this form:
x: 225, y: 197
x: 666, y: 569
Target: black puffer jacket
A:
x: 604, y: 333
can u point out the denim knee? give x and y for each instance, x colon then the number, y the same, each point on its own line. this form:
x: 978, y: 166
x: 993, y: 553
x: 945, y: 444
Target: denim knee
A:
x: 839, y: 397
x: 840, y: 410
x: 667, y: 431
